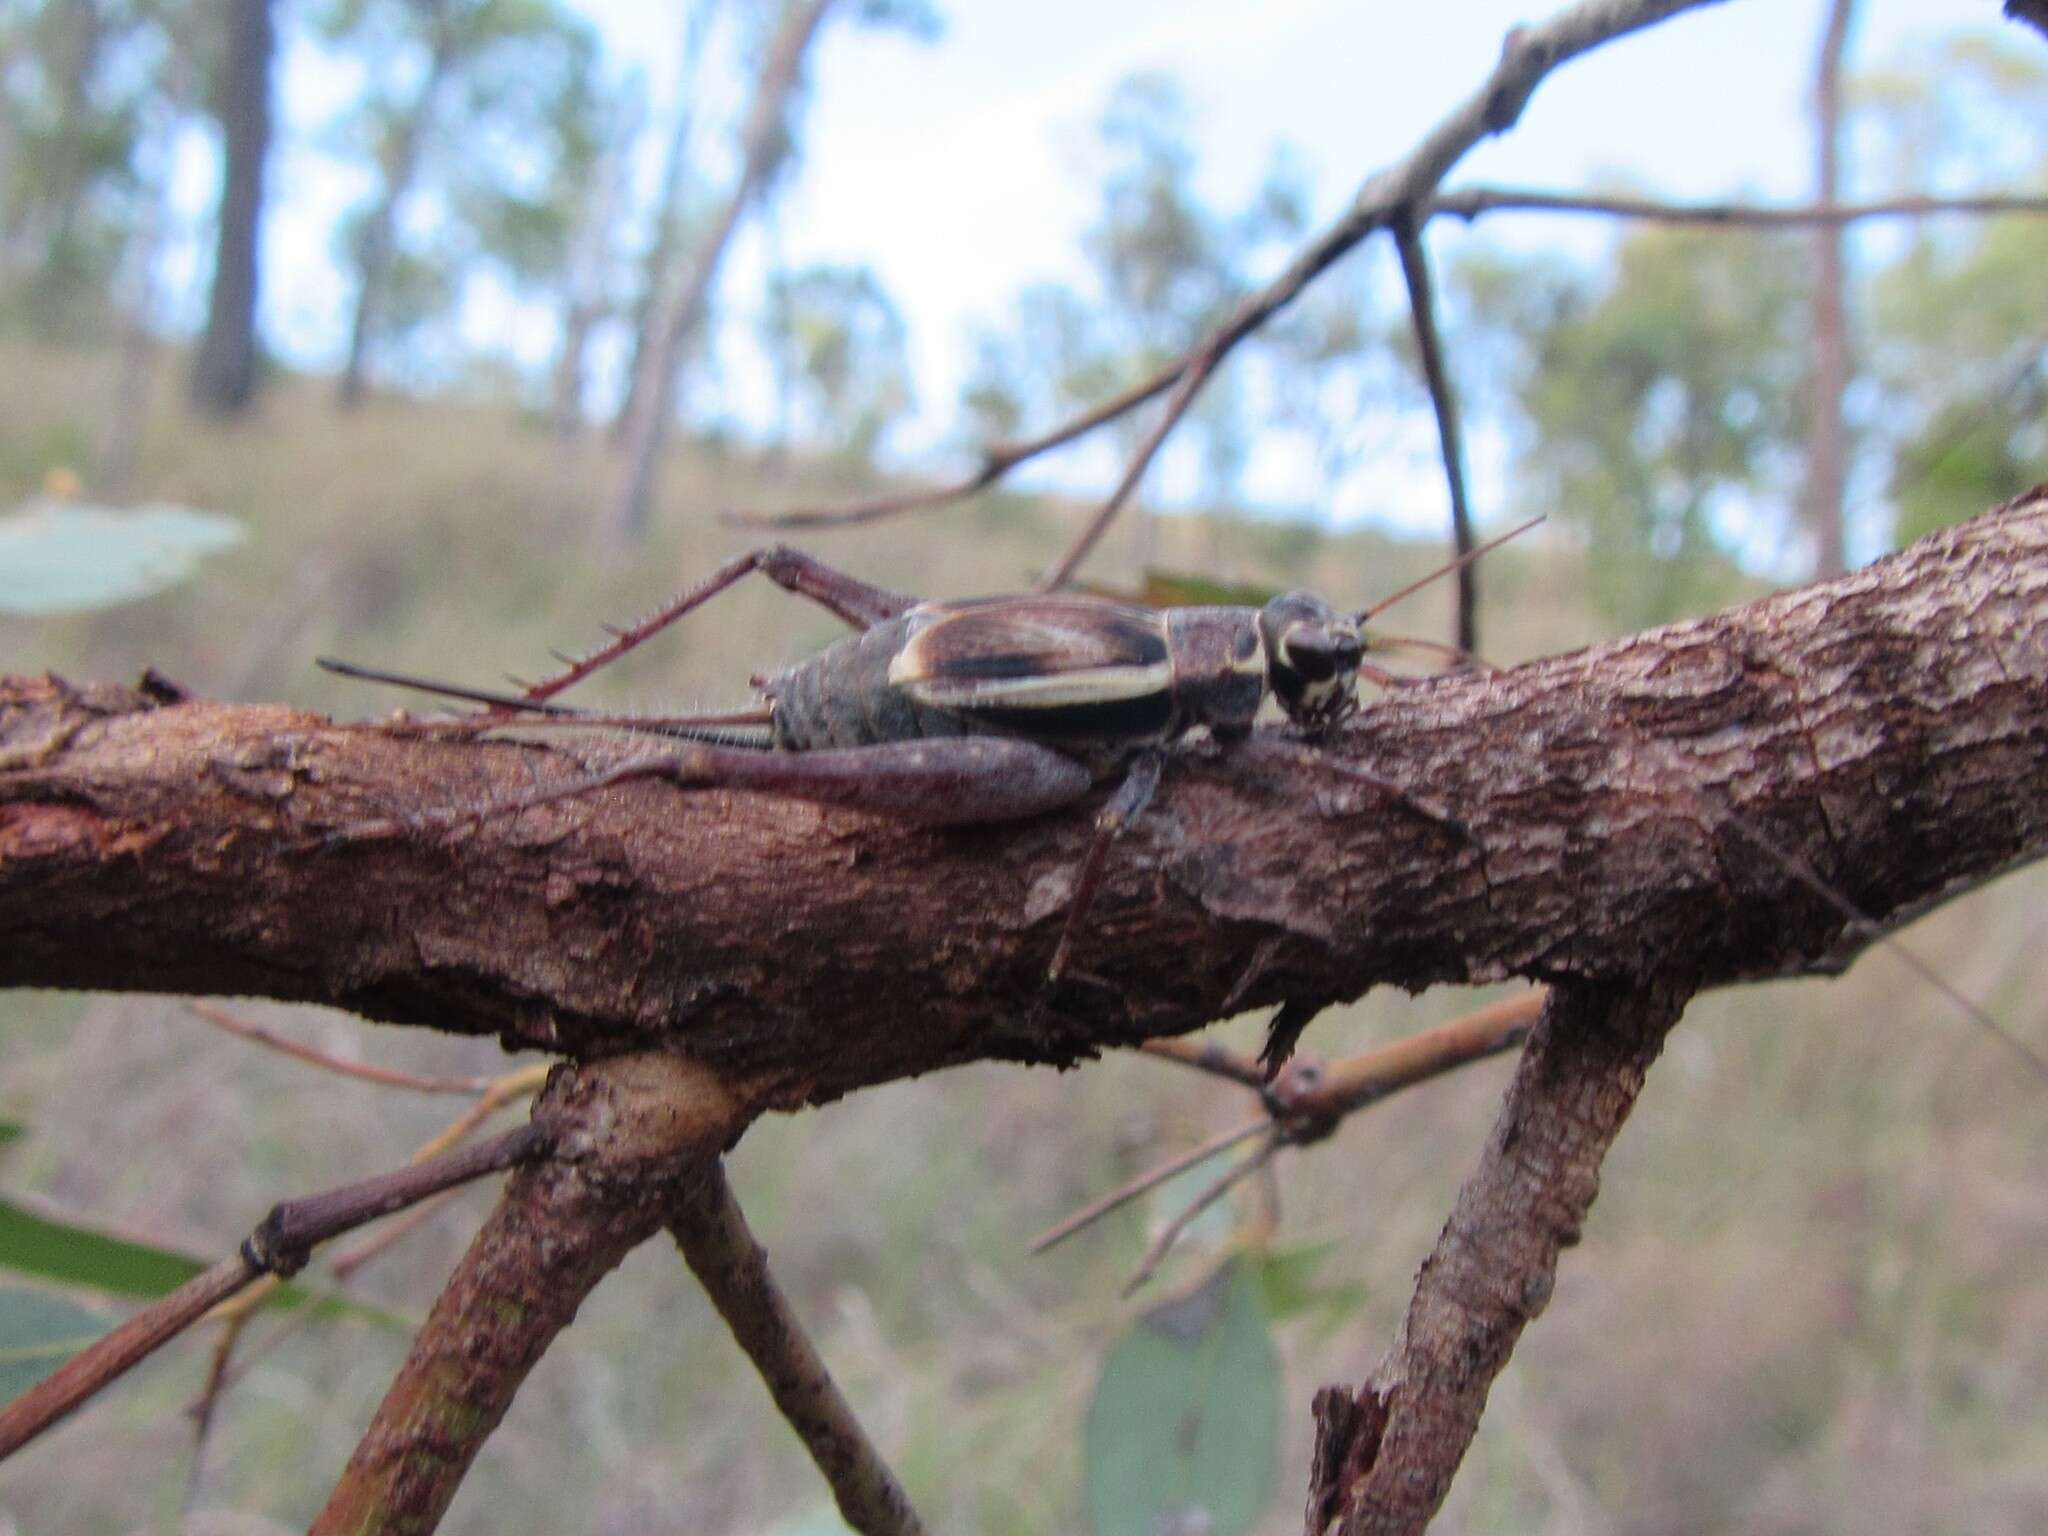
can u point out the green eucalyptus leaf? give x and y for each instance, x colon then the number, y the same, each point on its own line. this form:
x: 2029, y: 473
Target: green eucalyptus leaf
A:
x: 1186, y: 1418
x: 70, y: 1253
x: 38, y: 1333
x: 65, y: 557
x: 1289, y: 1278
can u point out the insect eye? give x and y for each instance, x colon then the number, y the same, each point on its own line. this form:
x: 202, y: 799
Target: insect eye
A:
x: 1318, y: 652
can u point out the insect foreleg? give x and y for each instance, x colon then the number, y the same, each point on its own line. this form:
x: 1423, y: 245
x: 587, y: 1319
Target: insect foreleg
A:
x: 846, y: 597
x: 1121, y: 809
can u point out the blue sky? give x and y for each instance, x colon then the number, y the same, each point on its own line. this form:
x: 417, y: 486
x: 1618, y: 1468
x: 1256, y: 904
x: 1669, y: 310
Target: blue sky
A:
x: 960, y: 171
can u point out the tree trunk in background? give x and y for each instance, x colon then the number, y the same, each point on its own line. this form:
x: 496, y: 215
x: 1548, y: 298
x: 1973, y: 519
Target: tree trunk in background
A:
x: 764, y: 143
x: 380, y: 236
x: 128, y: 402
x: 1827, y: 448
x: 224, y: 370
x: 668, y: 208
x: 586, y: 285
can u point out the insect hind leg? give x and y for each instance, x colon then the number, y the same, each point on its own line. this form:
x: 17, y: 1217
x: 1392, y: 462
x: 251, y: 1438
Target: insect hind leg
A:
x: 846, y: 597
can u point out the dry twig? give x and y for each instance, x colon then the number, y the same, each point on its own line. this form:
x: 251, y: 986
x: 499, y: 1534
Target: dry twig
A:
x: 1304, y: 1104
x: 388, y: 1077
x: 280, y: 1245
x: 733, y: 1269
x: 1436, y: 374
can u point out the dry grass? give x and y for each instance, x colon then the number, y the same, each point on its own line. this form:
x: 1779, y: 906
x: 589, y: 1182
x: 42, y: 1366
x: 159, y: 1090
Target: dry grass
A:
x: 1811, y: 1300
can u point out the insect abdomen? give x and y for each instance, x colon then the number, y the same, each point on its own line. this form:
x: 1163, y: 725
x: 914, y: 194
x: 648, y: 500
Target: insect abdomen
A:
x: 842, y: 697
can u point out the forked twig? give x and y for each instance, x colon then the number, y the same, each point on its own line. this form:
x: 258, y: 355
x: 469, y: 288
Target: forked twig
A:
x: 1307, y: 1102
x: 279, y: 1245
x: 733, y: 1268
x: 1151, y: 1178
x: 997, y: 460
x: 1467, y: 203
x: 1527, y: 56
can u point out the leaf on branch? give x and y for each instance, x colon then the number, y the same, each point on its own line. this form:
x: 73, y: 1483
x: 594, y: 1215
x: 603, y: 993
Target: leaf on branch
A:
x: 38, y: 1333
x: 70, y: 1253
x: 1182, y: 1432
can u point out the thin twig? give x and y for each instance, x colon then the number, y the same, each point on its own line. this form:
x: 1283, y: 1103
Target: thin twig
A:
x: 279, y: 1245
x: 1308, y: 1101
x: 389, y: 1077
x: 112, y: 1354
x: 1171, y: 1233
x: 1429, y: 350
x: 997, y: 460
x: 1207, y: 1055
x: 204, y: 1409
x: 1527, y: 55
x: 1346, y: 1086
x: 498, y: 1092
x: 733, y: 1269
x: 341, y: 1269
x: 1470, y: 202
x: 1201, y: 362
x: 1151, y: 1178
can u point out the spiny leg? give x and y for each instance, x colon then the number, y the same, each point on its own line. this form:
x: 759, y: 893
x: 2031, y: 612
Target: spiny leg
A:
x: 1122, y: 808
x: 847, y: 597
x: 714, y: 727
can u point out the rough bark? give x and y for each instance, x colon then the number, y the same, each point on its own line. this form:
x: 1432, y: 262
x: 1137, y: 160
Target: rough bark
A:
x: 1889, y: 729
x: 629, y: 1134
x: 224, y: 369
x: 1385, y: 1454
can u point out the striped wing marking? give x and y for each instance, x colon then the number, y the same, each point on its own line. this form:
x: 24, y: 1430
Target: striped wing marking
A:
x: 1033, y: 653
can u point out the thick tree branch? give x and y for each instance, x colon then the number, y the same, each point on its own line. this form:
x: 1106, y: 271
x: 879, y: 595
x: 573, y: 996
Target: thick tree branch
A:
x: 1889, y: 730
x: 1385, y: 1454
x: 628, y: 1134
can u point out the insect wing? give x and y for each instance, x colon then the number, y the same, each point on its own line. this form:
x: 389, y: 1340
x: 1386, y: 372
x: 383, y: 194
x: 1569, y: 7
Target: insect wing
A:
x: 1053, y: 667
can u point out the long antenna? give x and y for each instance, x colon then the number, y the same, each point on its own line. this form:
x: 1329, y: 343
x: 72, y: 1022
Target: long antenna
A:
x: 1413, y: 587
x: 446, y: 690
